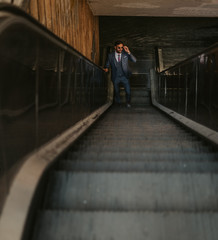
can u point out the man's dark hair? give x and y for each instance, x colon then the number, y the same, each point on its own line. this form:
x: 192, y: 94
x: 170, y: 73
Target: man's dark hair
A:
x: 118, y: 43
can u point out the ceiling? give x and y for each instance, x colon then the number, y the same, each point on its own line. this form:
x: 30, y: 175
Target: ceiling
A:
x: 169, y: 8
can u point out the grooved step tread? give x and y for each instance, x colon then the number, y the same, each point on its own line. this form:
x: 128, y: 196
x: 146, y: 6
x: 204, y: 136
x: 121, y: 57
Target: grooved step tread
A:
x: 142, y: 156
x: 56, y: 225
x: 140, y: 148
x: 134, y: 175
x: 139, y: 166
x: 133, y: 191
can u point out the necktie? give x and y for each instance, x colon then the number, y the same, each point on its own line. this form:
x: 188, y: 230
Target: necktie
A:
x: 118, y: 57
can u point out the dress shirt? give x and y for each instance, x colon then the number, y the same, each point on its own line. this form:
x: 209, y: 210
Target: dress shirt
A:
x: 116, y: 56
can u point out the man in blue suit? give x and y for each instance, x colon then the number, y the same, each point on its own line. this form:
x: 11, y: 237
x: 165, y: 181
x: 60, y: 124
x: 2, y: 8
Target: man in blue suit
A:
x: 120, y: 72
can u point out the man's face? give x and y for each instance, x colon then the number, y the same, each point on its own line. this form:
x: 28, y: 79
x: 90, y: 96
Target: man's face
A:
x: 119, y: 48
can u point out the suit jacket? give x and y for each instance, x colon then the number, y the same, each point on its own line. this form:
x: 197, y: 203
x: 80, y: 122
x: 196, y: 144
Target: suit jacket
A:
x: 111, y: 61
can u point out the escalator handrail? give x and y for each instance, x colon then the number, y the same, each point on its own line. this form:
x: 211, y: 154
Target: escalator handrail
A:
x: 19, y: 199
x: 193, y: 57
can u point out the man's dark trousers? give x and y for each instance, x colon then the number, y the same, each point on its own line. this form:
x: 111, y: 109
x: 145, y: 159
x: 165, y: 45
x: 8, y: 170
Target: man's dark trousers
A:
x: 125, y: 82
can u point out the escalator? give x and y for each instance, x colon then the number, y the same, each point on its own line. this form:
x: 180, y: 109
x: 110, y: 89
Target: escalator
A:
x: 135, y: 174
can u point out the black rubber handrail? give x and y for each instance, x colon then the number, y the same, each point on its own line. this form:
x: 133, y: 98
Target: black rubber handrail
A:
x: 205, y: 51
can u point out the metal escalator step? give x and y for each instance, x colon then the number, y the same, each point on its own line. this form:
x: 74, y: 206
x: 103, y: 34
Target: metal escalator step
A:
x: 148, y: 103
x: 123, y: 146
x: 117, y: 136
x: 142, y: 156
x: 92, y: 137
x: 140, y: 93
x: 138, y: 166
x: 146, y: 139
x: 132, y: 191
x: 143, y: 129
x: 140, y: 99
x: 56, y: 225
x: 140, y: 133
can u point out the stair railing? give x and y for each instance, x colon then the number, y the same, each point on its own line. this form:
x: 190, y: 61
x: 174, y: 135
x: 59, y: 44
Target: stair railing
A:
x: 190, y: 90
x: 46, y: 87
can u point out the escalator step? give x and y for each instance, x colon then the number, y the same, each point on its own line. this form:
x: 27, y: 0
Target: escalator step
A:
x: 151, y: 138
x: 143, y: 141
x: 138, y: 166
x: 142, y: 156
x: 136, y: 175
x: 132, y: 191
x: 64, y: 225
x: 140, y: 148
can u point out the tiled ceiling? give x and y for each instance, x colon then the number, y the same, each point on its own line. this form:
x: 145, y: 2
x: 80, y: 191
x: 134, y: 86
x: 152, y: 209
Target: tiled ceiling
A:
x: 169, y: 8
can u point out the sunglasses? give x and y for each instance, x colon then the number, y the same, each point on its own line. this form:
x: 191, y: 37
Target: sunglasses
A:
x: 120, y: 47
